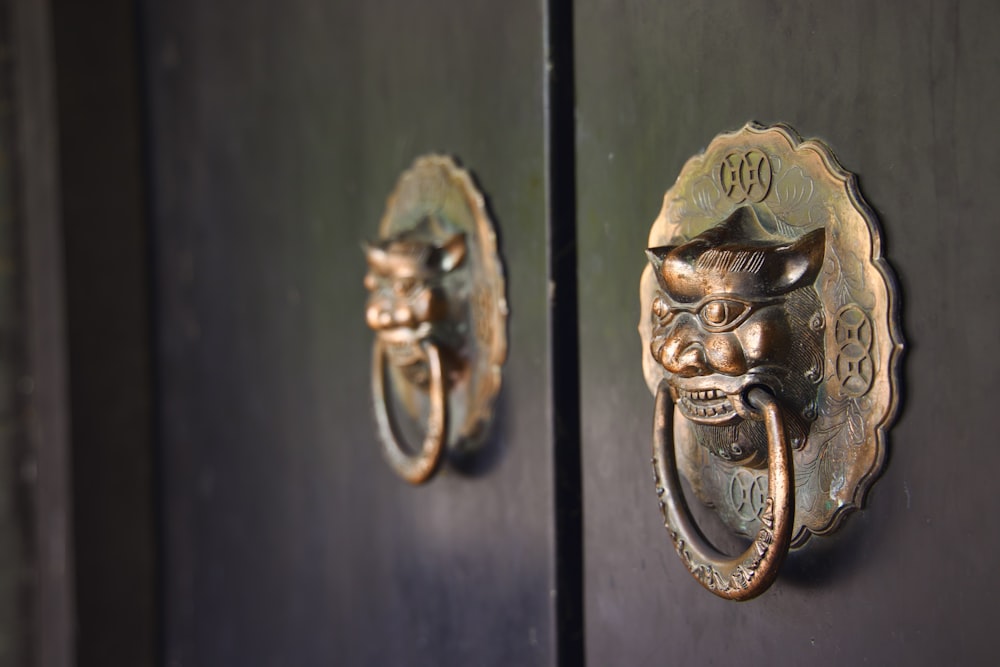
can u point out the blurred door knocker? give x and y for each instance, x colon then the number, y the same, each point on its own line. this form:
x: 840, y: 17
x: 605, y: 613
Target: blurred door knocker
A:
x: 771, y: 344
x: 437, y: 306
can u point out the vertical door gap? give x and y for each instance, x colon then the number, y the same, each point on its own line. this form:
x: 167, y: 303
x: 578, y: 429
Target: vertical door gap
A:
x: 560, y: 152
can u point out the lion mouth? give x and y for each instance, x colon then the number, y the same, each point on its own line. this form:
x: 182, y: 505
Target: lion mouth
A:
x: 706, y: 406
x: 402, y: 344
x: 719, y: 399
x: 405, y: 335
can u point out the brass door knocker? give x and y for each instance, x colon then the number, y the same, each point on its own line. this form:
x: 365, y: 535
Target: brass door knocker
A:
x: 438, y: 309
x: 770, y: 342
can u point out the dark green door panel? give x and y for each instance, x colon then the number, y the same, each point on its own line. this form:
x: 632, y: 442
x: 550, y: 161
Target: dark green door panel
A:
x: 277, y: 130
x: 904, y: 93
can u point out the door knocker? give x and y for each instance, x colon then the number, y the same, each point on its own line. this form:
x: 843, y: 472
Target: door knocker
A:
x: 438, y: 309
x: 771, y: 343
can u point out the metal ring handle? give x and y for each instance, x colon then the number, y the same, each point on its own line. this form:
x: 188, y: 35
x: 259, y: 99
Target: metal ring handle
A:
x: 752, y: 572
x: 414, y: 468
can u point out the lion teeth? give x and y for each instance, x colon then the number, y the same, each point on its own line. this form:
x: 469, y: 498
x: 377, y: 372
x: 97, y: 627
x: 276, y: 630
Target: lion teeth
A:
x: 702, y: 395
x: 692, y: 403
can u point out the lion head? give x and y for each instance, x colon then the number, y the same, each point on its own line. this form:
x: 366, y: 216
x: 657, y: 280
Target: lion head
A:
x: 736, y: 308
x: 406, y: 301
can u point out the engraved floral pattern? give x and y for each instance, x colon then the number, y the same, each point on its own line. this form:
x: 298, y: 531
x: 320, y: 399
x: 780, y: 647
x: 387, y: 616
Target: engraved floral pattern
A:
x: 856, y: 401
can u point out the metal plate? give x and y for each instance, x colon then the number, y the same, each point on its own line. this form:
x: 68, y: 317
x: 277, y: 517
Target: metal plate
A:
x: 795, y: 187
x: 434, y: 201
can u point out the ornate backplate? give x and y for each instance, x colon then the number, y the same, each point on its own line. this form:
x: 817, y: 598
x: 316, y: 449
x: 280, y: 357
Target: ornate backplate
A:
x: 794, y: 187
x: 435, y: 205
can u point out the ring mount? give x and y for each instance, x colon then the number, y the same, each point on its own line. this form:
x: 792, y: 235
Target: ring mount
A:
x: 418, y: 467
x: 438, y: 308
x: 761, y: 215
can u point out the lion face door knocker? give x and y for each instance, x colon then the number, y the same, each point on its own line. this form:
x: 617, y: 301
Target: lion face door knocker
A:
x: 438, y: 309
x: 770, y: 342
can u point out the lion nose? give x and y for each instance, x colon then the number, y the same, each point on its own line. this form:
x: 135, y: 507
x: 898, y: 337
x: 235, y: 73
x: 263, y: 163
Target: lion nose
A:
x: 687, y: 362
x: 378, y: 317
x: 684, y: 354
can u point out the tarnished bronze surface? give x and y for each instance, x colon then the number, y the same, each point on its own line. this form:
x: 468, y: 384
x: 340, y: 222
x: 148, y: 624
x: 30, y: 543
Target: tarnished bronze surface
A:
x: 438, y: 308
x: 750, y: 573
x: 770, y: 320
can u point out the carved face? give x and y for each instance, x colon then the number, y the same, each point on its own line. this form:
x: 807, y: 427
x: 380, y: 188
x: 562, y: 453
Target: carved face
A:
x: 736, y: 309
x: 406, y: 299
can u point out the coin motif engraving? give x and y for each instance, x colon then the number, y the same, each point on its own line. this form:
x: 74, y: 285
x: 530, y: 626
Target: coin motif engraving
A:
x: 746, y: 492
x: 746, y: 176
x: 854, y: 368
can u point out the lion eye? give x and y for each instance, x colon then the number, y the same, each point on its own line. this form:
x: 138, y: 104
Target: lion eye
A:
x: 660, y: 308
x: 719, y: 313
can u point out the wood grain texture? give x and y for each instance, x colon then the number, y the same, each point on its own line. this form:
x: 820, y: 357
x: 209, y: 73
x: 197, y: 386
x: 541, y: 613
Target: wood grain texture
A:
x: 277, y: 131
x: 36, y: 524
x: 16, y: 608
x: 903, y: 92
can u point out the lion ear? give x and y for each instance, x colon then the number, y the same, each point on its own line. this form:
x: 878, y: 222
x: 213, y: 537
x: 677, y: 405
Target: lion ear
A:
x: 451, y: 253
x: 376, y: 256
x: 656, y: 258
x: 801, y: 261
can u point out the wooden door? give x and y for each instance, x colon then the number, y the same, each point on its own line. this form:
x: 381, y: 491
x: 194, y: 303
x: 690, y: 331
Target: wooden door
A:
x: 904, y: 94
x: 276, y: 131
